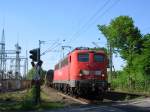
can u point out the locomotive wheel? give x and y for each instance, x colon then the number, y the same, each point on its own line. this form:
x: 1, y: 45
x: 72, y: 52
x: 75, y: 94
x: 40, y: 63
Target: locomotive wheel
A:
x: 65, y: 89
x: 72, y: 91
x: 101, y: 95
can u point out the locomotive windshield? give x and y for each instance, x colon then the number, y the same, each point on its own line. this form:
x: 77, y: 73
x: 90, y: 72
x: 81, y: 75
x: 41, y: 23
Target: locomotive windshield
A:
x: 98, y: 58
x: 83, y: 57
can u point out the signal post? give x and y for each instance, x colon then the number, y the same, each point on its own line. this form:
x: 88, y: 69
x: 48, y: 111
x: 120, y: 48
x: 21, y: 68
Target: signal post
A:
x: 35, y: 56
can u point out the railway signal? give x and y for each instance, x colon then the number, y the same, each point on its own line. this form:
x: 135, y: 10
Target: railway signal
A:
x: 35, y: 54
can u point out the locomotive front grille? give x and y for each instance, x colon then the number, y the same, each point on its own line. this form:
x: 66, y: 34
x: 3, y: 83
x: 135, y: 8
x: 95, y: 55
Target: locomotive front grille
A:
x: 90, y: 83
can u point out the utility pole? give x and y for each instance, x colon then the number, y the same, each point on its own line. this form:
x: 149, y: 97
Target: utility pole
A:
x: 38, y: 69
x: 2, y: 56
x: 111, y: 65
x: 63, y: 48
x: 17, y: 65
x: 110, y: 61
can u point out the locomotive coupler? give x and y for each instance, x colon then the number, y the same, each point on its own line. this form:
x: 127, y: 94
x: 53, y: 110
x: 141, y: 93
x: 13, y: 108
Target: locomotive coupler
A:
x: 93, y: 87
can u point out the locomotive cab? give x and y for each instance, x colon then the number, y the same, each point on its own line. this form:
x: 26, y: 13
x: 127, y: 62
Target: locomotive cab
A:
x: 90, y: 69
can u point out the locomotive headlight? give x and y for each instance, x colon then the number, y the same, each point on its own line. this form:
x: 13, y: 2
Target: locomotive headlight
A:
x: 85, y: 72
x: 97, y: 72
x: 103, y: 75
x: 80, y: 74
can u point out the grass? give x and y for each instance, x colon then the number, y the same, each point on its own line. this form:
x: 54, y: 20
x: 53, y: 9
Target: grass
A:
x: 130, y: 90
x: 41, y: 106
x: 16, y: 106
x: 23, y: 100
x: 13, y: 95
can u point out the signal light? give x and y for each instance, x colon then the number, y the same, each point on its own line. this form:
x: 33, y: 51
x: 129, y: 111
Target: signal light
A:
x: 40, y: 63
x: 35, y: 54
x: 33, y: 64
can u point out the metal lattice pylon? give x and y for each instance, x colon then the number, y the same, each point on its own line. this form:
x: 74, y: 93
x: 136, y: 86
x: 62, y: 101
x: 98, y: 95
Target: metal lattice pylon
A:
x: 2, y: 56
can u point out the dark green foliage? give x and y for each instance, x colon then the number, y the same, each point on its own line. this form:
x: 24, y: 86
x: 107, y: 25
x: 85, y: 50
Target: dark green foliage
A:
x: 137, y: 84
x: 23, y: 101
x: 146, y: 54
x: 134, y: 48
x: 141, y: 62
x: 32, y: 72
x: 29, y: 104
x: 122, y: 35
x: 97, y: 49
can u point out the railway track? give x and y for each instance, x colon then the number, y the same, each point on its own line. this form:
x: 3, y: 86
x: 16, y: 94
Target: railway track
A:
x: 111, y: 96
x: 120, y: 96
x: 76, y: 99
x: 80, y: 100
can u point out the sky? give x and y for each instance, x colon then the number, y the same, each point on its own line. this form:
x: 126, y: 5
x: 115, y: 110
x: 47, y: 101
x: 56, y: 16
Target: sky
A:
x: 66, y: 23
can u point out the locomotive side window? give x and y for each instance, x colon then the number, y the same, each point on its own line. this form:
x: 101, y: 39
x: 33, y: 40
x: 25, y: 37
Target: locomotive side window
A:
x: 62, y: 63
x: 56, y: 66
x: 98, y: 58
x: 83, y: 57
x: 70, y: 59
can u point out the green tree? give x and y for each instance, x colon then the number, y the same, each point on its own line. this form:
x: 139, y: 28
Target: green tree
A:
x: 102, y: 48
x: 122, y: 35
x: 126, y: 39
x: 32, y: 72
x: 142, y: 61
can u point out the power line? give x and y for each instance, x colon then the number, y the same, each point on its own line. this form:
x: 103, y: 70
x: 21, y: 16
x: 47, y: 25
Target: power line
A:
x: 84, y: 25
x: 52, y: 47
x: 94, y: 15
x: 117, y: 1
x: 88, y: 25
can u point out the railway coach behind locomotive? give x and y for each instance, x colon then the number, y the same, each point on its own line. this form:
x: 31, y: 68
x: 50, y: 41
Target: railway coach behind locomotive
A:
x: 82, y: 72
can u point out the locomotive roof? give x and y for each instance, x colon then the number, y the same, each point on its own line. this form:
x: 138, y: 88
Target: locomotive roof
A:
x: 88, y: 49
x: 83, y: 49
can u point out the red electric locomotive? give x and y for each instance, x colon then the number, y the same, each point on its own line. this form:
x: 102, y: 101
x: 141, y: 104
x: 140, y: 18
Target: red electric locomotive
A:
x: 83, y: 71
